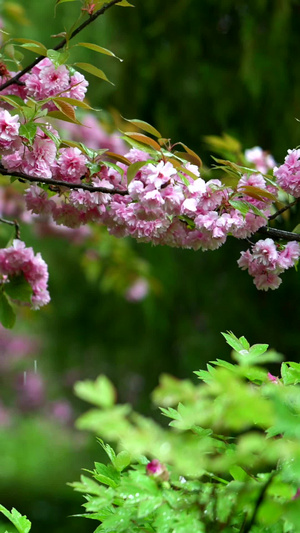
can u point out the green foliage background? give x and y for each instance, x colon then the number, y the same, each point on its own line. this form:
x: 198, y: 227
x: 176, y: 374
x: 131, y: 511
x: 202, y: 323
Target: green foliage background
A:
x: 191, y: 69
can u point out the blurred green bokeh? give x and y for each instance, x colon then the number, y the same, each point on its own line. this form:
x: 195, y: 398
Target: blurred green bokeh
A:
x: 191, y: 69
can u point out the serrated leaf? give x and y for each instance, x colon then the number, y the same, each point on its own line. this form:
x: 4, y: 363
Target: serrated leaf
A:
x: 100, y: 392
x: 21, y: 523
x: 98, y: 49
x: 108, y: 475
x: 7, y: 314
x: 122, y: 460
x: 19, y: 289
x: 290, y: 373
x: 232, y: 340
x: 144, y: 126
x: 87, y: 67
x: 108, y: 449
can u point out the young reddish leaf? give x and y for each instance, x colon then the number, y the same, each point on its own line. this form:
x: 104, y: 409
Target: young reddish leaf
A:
x: 140, y: 137
x: 65, y: 108
x: 73, y: 102
x: 61, y: 116
x: 257, y: 192
x: 118, y: 157
x: 174, y: 161
x: 87, y: 67
x: 144, y: 126
x: 197, y: 160
x: 188, y: 157
x: 98, y: 49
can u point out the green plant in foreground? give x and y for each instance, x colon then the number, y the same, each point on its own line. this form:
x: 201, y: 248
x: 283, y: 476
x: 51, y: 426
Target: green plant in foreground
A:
x: 229, y: 462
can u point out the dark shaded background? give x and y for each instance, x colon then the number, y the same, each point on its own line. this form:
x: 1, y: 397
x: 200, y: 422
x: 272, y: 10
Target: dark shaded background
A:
x: 191, y: 69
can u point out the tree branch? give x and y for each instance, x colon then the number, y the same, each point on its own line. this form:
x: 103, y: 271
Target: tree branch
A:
x: 283, y: 209
x: 12, y: 223
x: 58, y: 183
x: 279, y: 234
x: 93, y: 17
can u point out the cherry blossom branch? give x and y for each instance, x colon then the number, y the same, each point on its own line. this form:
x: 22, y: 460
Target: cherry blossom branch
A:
x: 16, y: 78
x: 283, y: 209
x: 279, y: 234
x: 12, y: 223
x: 58, y: 183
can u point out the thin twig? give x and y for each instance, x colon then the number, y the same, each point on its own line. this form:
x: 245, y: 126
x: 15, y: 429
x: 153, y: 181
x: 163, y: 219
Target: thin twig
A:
x: 37, y: 179
x: 258, y: 503
x: 283, y: 209
x: 12, y: 223
x: 93, y: 17
x: 279, y: 234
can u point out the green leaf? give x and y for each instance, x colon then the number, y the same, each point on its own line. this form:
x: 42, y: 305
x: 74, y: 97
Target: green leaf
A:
x: 122, y: 460
x: 144, y: 126
x: 7, y: 314
x: 290, y: 373
x: 125, y: 3
x: 58, y: 58
x: 21, y: 523
x: 107, y: 475
x: 108, y: 449
x: 87, y: 67
x: 33, y: 46
x: 87, y: 485
x: 19, y: 289
x: 233, y: 341
x: 98, y: 49
x: 28, y: 131
x: 240, y: 206
x: 100, y: 392
x: 14, y: 101
x: 63, y: 1
x: 134, y: 168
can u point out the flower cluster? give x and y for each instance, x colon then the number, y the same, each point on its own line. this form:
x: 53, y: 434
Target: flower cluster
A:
x: 160, y: 204
x: 288, y: 174
x: 266, y: 262
x: 9, y: 131
x: 16, y: 260
x: 45, y: 81
x: 261, y: 159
